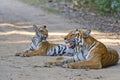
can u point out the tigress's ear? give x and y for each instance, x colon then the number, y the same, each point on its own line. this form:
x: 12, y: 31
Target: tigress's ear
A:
x: 87, y: 33
x: 35, y: 27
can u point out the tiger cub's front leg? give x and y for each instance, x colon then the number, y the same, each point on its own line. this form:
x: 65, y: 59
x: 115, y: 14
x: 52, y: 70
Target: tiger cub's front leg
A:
x: 35, y: 53
x: 19, y: 53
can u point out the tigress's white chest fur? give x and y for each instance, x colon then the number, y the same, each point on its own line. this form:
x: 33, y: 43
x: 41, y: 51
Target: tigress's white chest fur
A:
x: 84, y: 53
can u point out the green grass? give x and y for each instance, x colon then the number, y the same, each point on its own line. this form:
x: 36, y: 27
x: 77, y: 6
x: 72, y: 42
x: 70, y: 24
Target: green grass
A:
x: 37, y: 2
x: 63, y: 0
x: 51, y: 10
x: 34, y: 2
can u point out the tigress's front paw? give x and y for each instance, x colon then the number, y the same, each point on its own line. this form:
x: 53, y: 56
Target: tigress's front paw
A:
x: 55, y: 63
x: 47, y: 64
x: 75, y: 66
x: 66, y: 66
x: 50, y: 63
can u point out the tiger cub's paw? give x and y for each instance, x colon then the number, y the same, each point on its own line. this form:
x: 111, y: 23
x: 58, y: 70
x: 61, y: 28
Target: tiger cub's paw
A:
x: 22, y: 54
x: 18, y: 53
x: 25, y: 55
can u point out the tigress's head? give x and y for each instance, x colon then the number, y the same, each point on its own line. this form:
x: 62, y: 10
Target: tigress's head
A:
x: 76, y: 37
x: 41, y: 32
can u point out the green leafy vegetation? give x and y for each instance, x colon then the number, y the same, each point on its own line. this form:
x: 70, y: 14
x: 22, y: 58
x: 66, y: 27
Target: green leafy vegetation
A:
x: 111, y: 6
x: 99, y: 6
x: 104, y: 6
x: 63, y: 0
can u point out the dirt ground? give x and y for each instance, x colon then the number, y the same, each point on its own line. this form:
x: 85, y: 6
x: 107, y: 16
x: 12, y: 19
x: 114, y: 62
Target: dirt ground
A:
x: 16, y: 20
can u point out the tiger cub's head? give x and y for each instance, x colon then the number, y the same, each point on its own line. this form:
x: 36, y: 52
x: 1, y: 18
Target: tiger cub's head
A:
x: 76, y: 37
x: 41, y: 32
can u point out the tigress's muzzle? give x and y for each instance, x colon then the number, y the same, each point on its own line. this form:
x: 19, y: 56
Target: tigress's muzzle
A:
x: 70, y: 43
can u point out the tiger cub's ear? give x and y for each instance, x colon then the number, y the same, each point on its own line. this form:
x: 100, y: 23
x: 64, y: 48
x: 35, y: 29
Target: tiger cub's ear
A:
x: 35, y: 27
x: 45, y: 26
x: 86, y: 33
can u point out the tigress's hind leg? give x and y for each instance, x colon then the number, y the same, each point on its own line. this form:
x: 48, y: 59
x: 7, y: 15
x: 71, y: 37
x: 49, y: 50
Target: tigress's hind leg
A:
x: 94, y: 63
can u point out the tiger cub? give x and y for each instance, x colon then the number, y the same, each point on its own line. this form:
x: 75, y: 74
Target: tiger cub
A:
x: 90, y: 53
x: 40, y: 45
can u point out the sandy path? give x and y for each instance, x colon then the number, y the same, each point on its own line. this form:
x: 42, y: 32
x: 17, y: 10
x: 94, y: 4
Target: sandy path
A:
x: 16, y: 21
x: 12, y: 11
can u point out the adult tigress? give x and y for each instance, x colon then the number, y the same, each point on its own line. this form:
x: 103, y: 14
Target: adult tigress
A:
x: 90, y: 53
x: 40, y: 46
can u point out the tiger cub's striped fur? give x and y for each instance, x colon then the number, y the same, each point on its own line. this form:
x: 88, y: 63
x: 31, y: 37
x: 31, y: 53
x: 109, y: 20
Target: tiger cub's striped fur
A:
x: 40, y: 46
x: 90, y: 53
